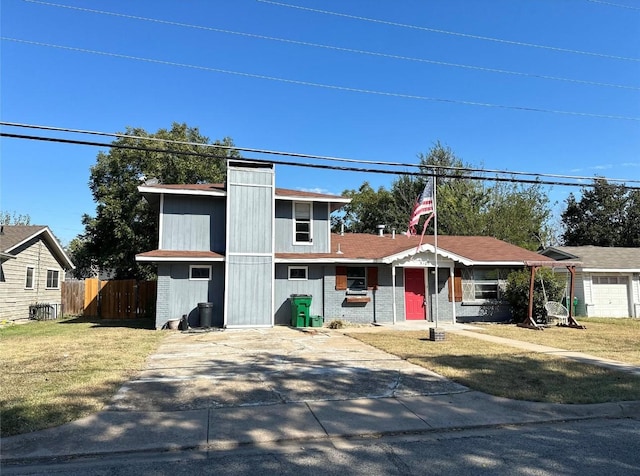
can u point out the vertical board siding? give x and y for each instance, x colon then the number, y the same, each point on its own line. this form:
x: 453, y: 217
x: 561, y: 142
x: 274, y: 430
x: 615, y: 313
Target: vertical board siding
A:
x: 251, y: 227
x: 193, y: 223
x: 249, y: 291
x: 249, y: 258
x: 284, y: 229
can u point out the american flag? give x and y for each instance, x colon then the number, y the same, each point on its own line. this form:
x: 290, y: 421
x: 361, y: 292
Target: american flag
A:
x: 423, y: 206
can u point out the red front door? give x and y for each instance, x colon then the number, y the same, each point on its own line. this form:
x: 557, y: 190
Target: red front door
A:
x: 414, y: 301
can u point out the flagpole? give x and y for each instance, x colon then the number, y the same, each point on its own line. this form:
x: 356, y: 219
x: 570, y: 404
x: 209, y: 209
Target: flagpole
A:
x: 435, y: 242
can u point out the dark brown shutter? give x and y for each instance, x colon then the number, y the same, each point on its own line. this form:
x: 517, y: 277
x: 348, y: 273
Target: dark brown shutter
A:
x: 341, y: 278
x: 455, y: 286
x: 372, y: 278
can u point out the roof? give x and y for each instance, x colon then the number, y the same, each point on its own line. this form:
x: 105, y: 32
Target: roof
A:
x: 468, y: 250
x: 220, y: 188
x: 172, y: 255
x: 599, y: 257
x: 14, y: 236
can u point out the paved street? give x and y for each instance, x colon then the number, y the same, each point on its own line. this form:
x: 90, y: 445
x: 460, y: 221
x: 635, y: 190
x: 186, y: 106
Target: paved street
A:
x: 591, y: 447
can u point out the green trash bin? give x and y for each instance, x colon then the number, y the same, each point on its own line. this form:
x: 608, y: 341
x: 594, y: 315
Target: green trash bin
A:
x: 300, y: 304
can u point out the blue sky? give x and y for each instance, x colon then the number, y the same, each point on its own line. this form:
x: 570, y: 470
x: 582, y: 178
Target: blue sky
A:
x: 586, y: 121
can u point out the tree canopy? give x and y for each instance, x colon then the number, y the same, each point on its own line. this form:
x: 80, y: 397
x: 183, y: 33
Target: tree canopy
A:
x: 467, y: 204
x: 606, y: 215
x: 8, y: 218
x: 124, y: 224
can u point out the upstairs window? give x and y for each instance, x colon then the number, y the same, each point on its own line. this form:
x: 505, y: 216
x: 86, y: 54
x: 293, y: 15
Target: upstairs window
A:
x: 53, y: 279
x: 302, y: 212
x: 28, y: 283
x: 199, y: 273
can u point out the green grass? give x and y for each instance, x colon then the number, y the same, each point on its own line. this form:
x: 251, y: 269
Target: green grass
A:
x: 53, y: 372
x: 507, y: 371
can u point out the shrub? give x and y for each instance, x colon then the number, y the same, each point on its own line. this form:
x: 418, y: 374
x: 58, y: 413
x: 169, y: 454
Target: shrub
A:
x: 517, y: 292
x: 336, y: 324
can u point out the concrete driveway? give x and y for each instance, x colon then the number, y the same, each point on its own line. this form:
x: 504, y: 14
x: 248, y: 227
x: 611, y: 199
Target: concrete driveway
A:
x: 230, y: 368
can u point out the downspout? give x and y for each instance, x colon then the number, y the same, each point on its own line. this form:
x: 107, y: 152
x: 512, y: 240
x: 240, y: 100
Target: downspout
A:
x: 453, y: 291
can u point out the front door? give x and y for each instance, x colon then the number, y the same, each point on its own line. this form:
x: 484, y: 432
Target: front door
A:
x: 414, y: 294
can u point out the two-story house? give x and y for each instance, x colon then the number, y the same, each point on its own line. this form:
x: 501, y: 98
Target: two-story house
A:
x: 246, y: 246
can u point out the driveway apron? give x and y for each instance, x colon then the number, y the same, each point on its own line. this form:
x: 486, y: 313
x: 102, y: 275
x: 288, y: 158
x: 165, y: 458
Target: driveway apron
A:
x: 250, y: 367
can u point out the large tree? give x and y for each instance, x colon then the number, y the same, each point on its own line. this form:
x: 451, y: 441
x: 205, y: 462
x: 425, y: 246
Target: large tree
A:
x: 467, y: 203
x: 605, y: 215
x: 124, y: 224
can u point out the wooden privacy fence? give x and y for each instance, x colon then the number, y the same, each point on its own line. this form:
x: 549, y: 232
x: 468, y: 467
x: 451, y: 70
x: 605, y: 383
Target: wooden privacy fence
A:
x: 120, y: 299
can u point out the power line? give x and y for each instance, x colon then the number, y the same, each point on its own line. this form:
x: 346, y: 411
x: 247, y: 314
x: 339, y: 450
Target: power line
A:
x: 338, y: 48
x: 298, y: 164
x: 327, y: 86
x: 453, y: 33
x: 304, y: 155
x: 611, y: 4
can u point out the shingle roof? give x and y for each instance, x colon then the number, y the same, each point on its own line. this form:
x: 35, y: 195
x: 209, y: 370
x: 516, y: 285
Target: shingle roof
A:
x: 13, y: 235
x: 362, y: 246
x: 220, y: 187
x: 604, y: 257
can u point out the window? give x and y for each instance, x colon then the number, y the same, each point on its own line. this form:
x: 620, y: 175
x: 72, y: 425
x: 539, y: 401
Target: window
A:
x: 302, y: 222
x: 29, y: 280
x: 199, y: 273
x: 298, y: 273
x: 486, y: 284
x: 53, y: 279
x: 356, y: 278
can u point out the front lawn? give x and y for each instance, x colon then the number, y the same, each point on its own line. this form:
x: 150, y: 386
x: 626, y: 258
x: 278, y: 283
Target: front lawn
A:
x: 617, y: 339
x: 510, y: 372
x: 53, y: 372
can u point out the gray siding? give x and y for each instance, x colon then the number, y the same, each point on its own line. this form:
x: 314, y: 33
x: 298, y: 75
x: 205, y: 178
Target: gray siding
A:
x: 15, y: 299
x: 249, y: 257
x: 177, y: 295
x: 285, y: 288
x: 193, y: 223
x: 249, y: 291
x: 284, y: 229
x: 444, y: 306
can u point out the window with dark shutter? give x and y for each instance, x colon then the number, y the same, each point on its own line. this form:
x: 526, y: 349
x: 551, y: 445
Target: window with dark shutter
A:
x: 372, y: 278
x: 341, y: 278
x: 455, y: 286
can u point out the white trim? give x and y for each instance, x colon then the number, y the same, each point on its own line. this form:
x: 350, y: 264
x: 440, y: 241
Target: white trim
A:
x: 181, y: 191
x: 294, y: 223
x: 33, y: 277
x: 176, y: 259
x: 47, y: 279
x: 161, y: 221
x: 609, y: 270
x: 328, y: 200
x: 306, y: 273
x: 54, y: 241
x: 393, y: 290
x: 192, y: 266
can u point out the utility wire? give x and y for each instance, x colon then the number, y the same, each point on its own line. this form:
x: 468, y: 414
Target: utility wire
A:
x: 306, y: 156
x: 338, y: 48
x: 611, y: 4
x: 327, y: 86
x: 298, y: 164
x: 446, y: 32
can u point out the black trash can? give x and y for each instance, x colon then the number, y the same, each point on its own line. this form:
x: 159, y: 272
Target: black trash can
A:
x: 205, y: 309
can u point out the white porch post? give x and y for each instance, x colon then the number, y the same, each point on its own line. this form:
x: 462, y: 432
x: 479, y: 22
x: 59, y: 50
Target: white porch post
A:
x: 393, y: 291
x: 453, y: 291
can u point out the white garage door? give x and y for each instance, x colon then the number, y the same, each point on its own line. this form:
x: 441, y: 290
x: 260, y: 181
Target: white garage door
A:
x: 610, y: 296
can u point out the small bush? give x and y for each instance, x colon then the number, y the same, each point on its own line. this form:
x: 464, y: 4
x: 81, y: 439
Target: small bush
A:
x: 517, y: 292
x: 336, y: 324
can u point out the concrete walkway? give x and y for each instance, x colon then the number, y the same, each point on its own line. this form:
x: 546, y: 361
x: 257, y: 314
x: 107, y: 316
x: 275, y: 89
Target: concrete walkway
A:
x: 223, y: 389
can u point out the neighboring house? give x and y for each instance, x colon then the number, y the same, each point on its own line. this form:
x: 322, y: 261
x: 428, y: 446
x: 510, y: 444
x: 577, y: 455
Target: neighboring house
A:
x: 607, y: 281
x: 32, y: 268
x: 245, y: 247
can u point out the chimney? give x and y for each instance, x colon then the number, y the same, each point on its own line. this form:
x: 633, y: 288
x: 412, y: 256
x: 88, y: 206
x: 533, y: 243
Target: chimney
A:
x: 380, y: 230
